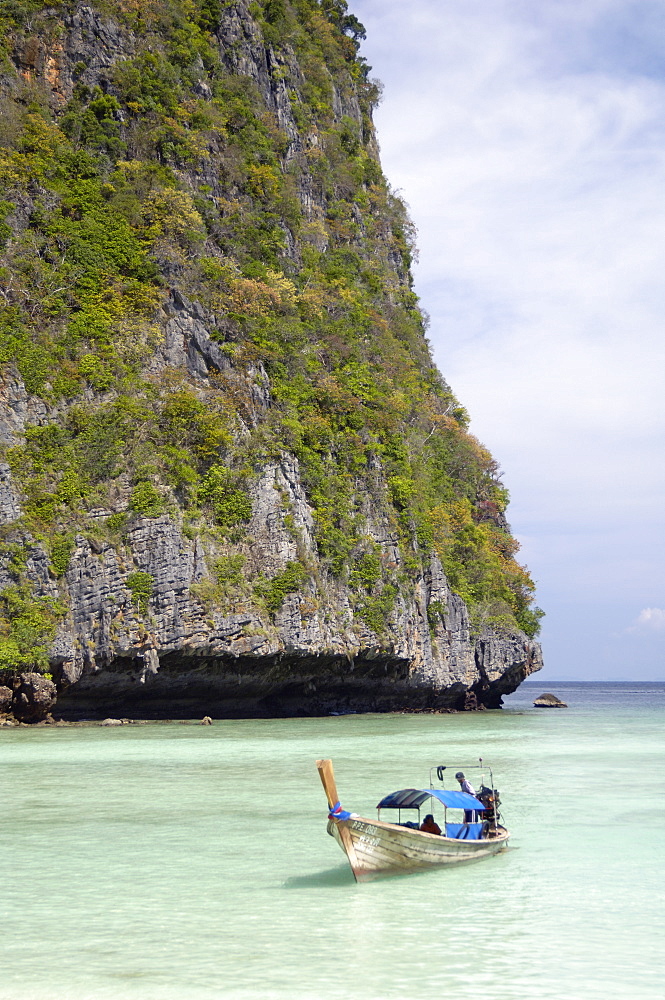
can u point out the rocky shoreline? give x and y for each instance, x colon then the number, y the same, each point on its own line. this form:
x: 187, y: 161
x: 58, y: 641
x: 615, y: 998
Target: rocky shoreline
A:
x: 10, y: 723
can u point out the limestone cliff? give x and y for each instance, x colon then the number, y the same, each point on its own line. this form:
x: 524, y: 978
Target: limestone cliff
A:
x: 232, y: 481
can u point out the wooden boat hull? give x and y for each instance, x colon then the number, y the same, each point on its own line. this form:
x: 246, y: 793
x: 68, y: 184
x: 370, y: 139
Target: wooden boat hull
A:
x: 375, y: 848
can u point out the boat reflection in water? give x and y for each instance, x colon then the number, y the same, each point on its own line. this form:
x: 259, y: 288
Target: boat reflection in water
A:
x: 374, y: 847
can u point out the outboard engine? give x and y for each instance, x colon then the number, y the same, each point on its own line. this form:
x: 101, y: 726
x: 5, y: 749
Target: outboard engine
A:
x: 490, y: 799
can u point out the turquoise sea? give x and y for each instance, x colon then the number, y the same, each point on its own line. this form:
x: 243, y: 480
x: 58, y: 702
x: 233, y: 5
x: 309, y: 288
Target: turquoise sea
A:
x: 164, y: 861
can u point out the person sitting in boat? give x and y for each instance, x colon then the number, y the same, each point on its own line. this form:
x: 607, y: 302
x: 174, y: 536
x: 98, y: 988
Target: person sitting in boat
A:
x: 429, y: 826
x: 470, y: 816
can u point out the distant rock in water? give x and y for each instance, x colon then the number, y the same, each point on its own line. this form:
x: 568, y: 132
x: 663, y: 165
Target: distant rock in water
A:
x: 549, y: 701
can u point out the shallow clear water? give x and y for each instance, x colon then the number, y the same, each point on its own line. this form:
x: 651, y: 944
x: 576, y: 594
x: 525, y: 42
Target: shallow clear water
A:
x: 182, y: 861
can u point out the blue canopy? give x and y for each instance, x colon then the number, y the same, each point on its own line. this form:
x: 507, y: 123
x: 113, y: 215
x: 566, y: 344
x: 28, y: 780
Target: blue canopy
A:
x: 413, y: 798
x: 455, y: 800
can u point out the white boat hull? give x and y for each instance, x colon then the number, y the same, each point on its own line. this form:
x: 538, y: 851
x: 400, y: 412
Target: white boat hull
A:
x: 376, y: 848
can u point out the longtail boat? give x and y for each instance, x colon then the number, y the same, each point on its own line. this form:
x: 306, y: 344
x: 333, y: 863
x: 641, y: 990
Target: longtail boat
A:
x: 374, y: 847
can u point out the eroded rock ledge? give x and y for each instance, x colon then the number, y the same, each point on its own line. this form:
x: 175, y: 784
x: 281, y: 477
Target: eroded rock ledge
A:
x: 178, y: 658
x: 283, y: 685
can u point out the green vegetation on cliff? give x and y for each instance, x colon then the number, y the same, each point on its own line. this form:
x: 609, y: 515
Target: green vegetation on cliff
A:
x: 168, y: 170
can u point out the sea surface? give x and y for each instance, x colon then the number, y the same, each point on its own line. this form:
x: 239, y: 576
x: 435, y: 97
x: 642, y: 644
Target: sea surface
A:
x: 189, y: 862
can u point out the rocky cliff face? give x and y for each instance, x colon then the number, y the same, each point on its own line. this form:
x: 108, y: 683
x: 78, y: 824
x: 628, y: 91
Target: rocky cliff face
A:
x: 215, y: 495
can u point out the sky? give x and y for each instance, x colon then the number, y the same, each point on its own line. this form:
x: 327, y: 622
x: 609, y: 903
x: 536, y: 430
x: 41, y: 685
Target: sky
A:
x: 528, y: 141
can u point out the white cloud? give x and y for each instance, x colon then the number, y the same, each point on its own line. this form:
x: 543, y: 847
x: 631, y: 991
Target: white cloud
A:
x: 651, y: 620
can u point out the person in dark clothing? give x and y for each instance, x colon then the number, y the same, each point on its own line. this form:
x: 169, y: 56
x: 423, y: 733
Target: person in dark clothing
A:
x: 429, y: 826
